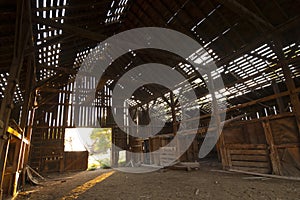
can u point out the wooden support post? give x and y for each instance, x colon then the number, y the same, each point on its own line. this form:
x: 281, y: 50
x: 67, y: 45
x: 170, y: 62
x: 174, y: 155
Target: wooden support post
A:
x: 3, y: 160
x: 16, y: 166
x: 215, y: 114
x: 29, y: 103
x: 28, y: 137
x: 65, y: 119
x: 278, y: 99
x: 293, y: 96
x: 173, y: 110
x: 275, y: 161
x: 21, y: 40
x: 289, y: 82
x: 172, y: 104
x: 115, y: 149
x: 23, y: 123
x: 6, y: 107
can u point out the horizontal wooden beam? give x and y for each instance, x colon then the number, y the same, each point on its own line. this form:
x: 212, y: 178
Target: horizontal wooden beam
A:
x: 71, y: 6
x: 295, y: 22
x: 54, y: 40
x: 251, y: 103
x: 59, y: 69
x: 71, y: 29
x: 244, y: 12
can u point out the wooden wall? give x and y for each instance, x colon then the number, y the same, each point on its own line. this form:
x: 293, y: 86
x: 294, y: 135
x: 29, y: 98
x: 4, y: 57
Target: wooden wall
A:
x: 76, y: 161
x: 266, y: 145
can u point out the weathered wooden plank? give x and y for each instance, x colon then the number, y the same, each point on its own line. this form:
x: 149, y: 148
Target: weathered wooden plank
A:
x: 276, y: 166
x: 291, y: 145
x: 75, y: 161
x: 167, y: 157
x: 247, y: 151
x: 251, y: 169
x: 246, y: 146
x: 267, y: 175
x: 251, y: 164
x: 262, y: 158
x: 168, y: 149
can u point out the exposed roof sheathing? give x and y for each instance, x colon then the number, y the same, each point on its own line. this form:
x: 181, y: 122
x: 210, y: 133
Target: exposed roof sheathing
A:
x: 241, y: 36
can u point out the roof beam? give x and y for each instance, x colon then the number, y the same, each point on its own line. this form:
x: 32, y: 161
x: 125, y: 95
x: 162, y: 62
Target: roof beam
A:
x: 72, y: 29
x: 75, y: 6
x: 54, y: 40
x: 244, y: 12
x: 60, y: 69
x: 294, y: 22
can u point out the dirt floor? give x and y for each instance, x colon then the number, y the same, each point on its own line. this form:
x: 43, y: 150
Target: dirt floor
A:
x: 205, y: 183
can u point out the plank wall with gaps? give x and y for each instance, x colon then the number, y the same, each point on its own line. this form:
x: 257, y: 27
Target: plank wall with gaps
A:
x: 48, y: 52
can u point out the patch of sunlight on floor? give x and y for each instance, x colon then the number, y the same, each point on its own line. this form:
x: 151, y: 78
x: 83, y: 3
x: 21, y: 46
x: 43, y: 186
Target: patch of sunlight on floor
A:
x: 75, y: 193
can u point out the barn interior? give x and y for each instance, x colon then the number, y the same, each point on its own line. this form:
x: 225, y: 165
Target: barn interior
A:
x: 252, y: 46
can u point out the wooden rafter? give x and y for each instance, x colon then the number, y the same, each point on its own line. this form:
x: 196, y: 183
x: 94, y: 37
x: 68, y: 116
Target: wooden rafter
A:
x: 244, y: 12
x: 72, y: 29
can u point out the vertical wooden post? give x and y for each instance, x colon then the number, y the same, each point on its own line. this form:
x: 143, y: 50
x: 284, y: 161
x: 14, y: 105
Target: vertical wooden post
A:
x: 28, y: 137
x: 113, y: 148
x: 173, y: 110
x: 3, y: 157
x: 289, y: 82
x: 65, y: 102
x: 172, y: 104
x: 293, y: 96
x: 275, y: 161
x: 21, y: 38
x: 279, y: 100
x: 215, y: 113
x: 16, y: 166
x: 28, y: 103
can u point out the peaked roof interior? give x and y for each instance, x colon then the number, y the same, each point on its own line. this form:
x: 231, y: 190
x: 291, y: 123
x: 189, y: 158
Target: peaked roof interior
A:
x: 247, y: 39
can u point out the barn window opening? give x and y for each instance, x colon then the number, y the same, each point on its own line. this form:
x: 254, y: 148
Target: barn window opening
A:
x: 94, y: 142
